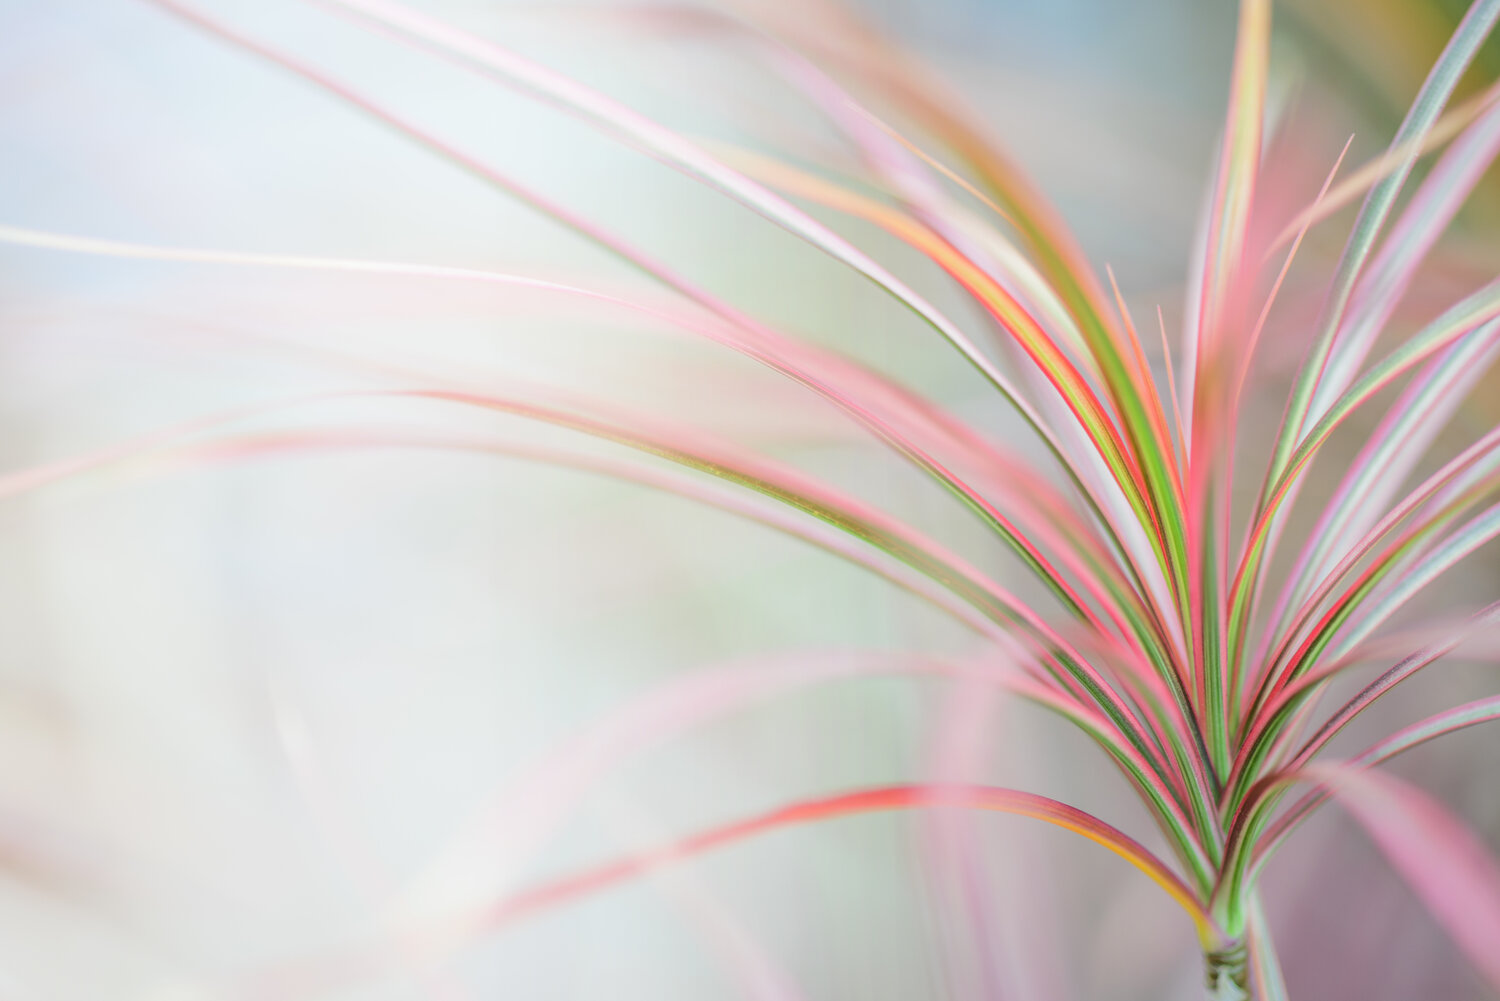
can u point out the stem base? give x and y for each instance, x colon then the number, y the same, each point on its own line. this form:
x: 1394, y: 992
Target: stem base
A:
x: 1228, y: 973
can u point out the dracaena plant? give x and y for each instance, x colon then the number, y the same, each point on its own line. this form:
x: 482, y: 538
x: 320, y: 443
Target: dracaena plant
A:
x: 1170, y: 635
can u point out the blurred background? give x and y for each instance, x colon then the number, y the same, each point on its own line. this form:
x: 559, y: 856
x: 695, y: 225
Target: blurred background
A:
x: 258, y: 703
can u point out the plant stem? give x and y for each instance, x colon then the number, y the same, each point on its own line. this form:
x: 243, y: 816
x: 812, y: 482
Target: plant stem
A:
x: 1228, y: 974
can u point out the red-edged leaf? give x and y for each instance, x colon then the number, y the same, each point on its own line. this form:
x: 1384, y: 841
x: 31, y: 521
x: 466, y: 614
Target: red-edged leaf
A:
x: 331, y: 971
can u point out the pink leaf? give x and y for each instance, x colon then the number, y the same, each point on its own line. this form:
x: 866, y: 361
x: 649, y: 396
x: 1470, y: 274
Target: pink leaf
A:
x: 1445, y: 864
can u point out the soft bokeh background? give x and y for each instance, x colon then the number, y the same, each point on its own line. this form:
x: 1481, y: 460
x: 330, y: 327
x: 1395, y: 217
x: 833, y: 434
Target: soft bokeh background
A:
x: 252, y: 710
